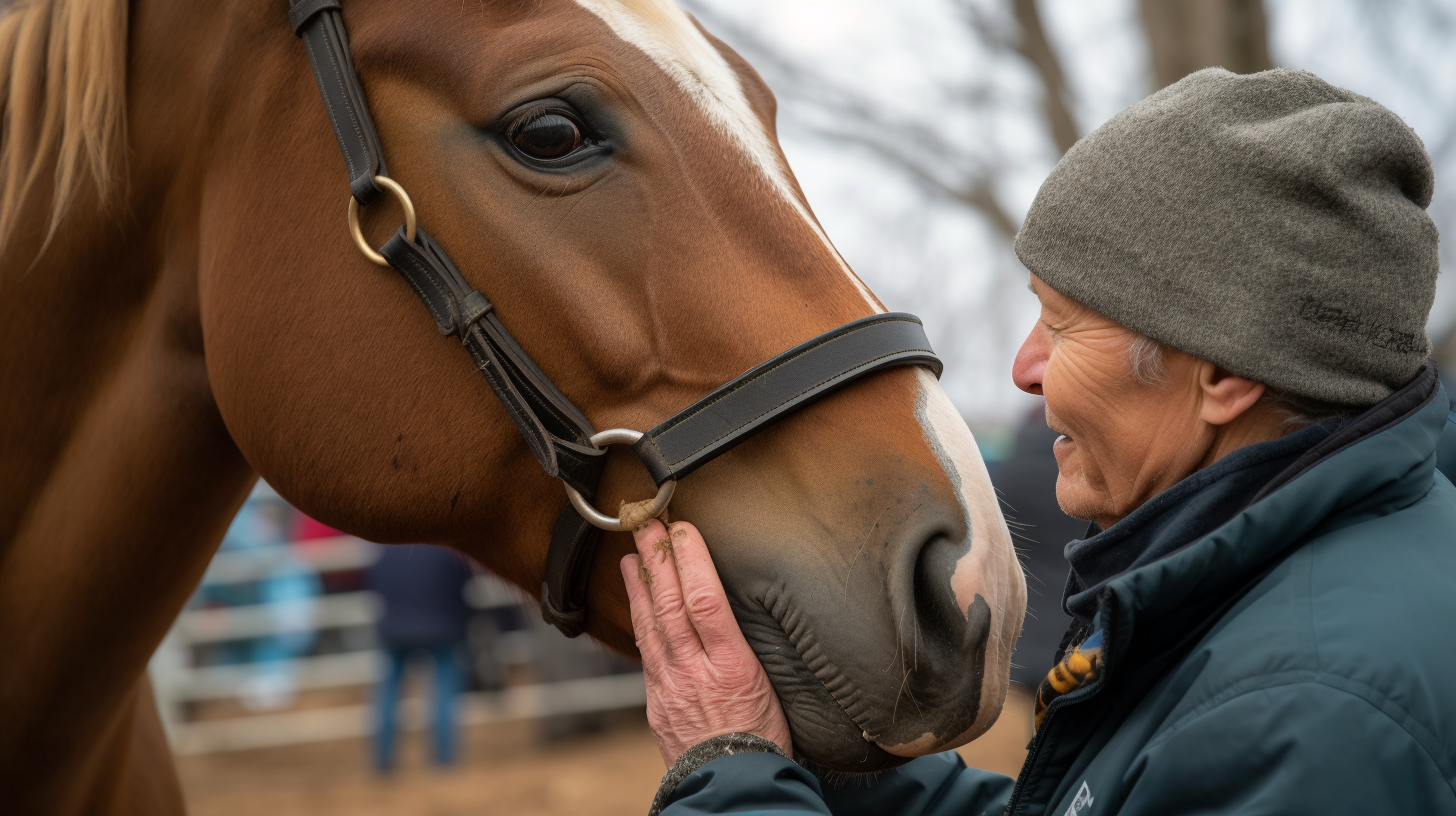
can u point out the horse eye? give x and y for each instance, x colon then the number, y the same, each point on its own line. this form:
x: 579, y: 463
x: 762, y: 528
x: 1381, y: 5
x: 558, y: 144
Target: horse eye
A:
x: 549, y: 137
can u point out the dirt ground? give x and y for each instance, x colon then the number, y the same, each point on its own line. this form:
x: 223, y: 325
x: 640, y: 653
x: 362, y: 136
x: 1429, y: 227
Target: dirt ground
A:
x: 506, y: 769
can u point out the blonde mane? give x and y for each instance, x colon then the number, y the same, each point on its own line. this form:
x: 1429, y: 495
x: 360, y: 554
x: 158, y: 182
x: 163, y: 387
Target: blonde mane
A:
x: 63, y: 102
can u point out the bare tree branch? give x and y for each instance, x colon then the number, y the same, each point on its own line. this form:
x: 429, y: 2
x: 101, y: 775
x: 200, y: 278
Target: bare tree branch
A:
x: 1056, y: 97
x: 930, y: 158
x: 1024, y: 35
x: 978, y: 192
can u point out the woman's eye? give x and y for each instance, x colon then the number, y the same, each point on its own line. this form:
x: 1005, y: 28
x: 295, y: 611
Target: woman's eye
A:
x: 549, y: 137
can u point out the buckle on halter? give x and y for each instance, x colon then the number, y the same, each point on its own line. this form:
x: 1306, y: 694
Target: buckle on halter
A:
x: 617, y: 436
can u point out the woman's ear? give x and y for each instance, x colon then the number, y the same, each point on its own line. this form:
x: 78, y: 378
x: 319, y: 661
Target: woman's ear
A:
x: 1226, y: 396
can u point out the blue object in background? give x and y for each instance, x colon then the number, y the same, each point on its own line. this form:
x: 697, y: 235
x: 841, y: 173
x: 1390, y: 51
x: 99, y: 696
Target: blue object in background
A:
x: 288, y: 590
x: 449, y: 675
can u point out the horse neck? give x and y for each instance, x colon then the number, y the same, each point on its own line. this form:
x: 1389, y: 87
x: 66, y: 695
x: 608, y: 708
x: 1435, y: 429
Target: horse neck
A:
x: 117, y: 475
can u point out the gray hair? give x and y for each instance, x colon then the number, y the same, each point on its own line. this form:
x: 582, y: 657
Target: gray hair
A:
x: 1146, y: 356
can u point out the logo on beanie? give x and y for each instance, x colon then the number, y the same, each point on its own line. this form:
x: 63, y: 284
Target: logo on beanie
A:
x: 1386, y: 337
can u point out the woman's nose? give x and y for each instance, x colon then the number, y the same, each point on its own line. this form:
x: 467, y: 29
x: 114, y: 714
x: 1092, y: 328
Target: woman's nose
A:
x: 1031, y: 360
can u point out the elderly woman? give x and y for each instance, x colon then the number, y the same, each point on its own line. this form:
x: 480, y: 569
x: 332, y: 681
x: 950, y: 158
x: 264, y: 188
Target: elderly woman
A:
x: 1234, y: 277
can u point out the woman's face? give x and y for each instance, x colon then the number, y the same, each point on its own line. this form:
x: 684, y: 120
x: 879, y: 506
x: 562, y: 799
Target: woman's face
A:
x: 1122, y: 441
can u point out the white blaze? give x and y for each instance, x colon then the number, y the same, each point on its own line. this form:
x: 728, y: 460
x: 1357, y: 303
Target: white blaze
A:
x: 988, y: 569
x: 669, y: 38
x: 984, y: 568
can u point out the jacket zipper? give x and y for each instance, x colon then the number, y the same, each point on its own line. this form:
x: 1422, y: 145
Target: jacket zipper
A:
x: 1038, y: 739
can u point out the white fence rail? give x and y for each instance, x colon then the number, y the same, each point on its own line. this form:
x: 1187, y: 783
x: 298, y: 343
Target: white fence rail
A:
x: 180, y: 685
x: 284, y: 617
x: 616, y: 691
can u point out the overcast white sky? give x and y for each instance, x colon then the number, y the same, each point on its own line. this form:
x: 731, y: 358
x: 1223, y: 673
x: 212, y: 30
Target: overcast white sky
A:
x: 929, y: 257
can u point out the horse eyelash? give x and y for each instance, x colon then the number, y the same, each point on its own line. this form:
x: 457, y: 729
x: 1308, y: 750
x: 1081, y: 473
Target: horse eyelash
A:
x: 520, y: 123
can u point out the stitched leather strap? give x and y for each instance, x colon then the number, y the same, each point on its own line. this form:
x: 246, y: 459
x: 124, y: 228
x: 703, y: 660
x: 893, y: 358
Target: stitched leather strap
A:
x: 321, y: 27
x: 762, y: 396
x: 301, y: 11
x: 555, y: 430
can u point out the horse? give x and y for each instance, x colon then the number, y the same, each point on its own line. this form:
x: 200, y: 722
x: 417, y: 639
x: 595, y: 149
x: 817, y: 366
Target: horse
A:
x: 184, y: 312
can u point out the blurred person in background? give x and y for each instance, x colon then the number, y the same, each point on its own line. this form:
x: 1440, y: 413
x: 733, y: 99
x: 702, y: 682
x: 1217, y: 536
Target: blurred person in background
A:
x: 1026, y: 482
x: 285, y: 591
x: 426, y: 613
x: 1235, y: 276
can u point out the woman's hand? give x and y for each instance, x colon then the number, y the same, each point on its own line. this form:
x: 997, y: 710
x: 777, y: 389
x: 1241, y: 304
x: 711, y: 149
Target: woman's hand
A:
x: 702, y: 678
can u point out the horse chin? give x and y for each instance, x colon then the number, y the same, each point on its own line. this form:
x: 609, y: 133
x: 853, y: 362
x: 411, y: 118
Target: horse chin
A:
x: 832, y: 702
x: 825, y: 737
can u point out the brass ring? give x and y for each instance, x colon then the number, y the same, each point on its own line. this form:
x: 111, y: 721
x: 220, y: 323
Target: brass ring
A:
x: 409, y: 219
x: 617, y: 436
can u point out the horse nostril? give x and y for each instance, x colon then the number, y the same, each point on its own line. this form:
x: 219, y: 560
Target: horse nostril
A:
x: 938, y: 615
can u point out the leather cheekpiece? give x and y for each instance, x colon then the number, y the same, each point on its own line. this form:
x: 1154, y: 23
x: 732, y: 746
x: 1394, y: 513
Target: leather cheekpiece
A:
x: 323, y: 35
x: 555, y: 430
x: 568, y: 567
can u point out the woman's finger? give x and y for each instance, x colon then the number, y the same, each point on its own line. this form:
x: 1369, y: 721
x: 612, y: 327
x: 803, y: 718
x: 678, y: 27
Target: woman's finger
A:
x: 654, y: 547
x: 703, y: 595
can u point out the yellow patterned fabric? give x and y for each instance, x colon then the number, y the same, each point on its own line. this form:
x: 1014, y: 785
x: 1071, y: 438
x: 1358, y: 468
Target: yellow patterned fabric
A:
x: 1079, y: 666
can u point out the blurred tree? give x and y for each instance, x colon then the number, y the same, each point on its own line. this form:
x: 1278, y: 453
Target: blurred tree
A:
x: 1187, y: 35
x: 1000, y: 89
x: 1182, y: 36
x: 1445, y: 350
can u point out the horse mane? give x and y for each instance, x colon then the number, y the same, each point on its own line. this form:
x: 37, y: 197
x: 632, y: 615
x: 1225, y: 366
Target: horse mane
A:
x: 62, y: 103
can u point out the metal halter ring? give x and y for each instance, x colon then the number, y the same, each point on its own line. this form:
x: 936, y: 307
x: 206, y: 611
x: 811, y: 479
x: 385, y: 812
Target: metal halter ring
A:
x: 409, y: 218
x: 617, y: 436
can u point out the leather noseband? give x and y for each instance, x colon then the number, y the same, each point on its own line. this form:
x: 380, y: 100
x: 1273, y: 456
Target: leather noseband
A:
x: 556, y: 431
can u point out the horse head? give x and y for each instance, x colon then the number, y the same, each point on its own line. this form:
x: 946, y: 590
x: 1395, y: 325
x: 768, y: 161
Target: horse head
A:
x: 609, y: 175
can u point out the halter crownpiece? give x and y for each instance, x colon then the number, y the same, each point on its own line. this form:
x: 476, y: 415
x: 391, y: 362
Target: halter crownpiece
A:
x: 556, y: 431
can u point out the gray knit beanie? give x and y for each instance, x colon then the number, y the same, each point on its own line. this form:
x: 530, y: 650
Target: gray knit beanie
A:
x: 1270, y: 223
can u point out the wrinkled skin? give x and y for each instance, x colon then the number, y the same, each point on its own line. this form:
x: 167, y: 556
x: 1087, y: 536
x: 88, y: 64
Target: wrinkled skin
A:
x: 703, y: 679
x: 1124, y: 441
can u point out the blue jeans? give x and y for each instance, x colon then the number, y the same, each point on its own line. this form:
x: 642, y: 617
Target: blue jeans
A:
x: 449, y: 677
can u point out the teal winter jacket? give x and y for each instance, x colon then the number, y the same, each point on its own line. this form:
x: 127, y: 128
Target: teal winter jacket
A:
x: 1295, y: 661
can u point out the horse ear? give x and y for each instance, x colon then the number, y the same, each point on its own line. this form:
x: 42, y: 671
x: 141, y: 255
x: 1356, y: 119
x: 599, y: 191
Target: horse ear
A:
x: 754, y: 88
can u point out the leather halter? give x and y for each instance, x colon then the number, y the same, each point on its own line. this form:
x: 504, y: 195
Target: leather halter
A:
x: 556, y: 431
